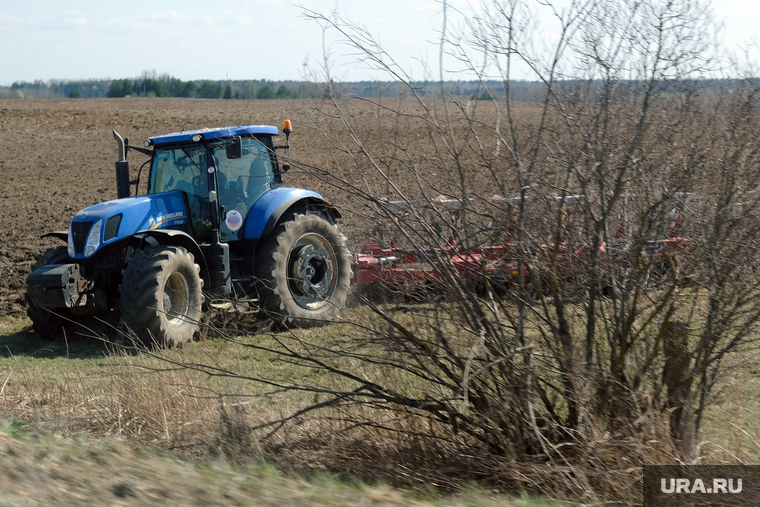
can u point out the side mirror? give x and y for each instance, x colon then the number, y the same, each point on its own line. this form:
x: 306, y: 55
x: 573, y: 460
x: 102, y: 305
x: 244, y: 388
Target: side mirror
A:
x: 235, y: 149
x: 285, y: 168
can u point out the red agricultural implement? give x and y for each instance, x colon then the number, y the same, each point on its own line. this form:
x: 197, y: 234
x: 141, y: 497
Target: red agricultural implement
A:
x: 375, y: 264
x: 392, y: 265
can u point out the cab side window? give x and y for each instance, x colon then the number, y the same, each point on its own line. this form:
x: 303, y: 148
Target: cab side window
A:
x: 241, y: 182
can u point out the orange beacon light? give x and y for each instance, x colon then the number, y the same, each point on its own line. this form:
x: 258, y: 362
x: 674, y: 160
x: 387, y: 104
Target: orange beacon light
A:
x: 287, y: 128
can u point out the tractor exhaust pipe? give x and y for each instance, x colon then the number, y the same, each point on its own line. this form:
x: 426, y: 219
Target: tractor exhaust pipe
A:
x: 122, y: 168
x: 122, y: 148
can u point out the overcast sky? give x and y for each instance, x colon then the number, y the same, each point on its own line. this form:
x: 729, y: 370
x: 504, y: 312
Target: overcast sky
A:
x: 244, y: 39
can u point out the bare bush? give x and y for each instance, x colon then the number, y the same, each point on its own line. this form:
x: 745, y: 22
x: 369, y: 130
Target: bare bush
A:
x: 624, y: 202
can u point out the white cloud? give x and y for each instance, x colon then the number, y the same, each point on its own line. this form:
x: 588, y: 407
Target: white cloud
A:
x: 245, y: 20
x: 9, y: 22
x: 74, y: 18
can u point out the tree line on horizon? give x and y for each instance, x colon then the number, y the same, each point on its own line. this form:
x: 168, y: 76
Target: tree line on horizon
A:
x: 156, y: 86
x: 151, y: 85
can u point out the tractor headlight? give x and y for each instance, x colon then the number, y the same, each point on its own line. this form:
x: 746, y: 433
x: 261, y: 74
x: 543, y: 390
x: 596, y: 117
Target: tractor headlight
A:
x: 70, y: 243
x: 93, y: 239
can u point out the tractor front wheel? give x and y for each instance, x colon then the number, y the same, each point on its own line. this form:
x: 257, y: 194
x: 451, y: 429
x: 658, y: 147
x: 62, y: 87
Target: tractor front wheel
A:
x: 161, y: 295
x: 303, y: 271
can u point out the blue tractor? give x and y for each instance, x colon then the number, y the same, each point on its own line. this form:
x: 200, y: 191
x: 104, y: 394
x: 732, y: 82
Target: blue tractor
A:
x: 215, y: 225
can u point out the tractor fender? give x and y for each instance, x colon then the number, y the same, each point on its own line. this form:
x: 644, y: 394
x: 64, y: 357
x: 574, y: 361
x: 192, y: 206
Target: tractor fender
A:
x: 173, y: 237
x: 62, y: 235
x: 272, y: 205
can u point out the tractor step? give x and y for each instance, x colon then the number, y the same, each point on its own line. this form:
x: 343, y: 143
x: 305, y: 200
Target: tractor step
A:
x: 241, y: 306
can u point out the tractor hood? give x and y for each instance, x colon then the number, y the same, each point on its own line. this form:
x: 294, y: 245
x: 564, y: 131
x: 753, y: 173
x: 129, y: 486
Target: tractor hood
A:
x: 110, y: 221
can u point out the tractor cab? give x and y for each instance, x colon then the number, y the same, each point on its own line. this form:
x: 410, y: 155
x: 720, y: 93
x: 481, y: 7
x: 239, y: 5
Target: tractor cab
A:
x: 222, y: 172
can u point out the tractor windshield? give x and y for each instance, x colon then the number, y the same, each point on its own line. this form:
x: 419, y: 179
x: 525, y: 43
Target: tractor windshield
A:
x: 176, y: 167
x: 241, y: 181
x: 182, y: 169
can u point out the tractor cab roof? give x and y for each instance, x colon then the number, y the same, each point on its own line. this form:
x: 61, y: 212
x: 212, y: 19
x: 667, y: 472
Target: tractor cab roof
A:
x: 187, y: 136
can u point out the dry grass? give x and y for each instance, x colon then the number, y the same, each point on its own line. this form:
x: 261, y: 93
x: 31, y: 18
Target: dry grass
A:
x: 41, y: 469
x: 88, y: 387
x: 85, y: 389
x: 731, y: 431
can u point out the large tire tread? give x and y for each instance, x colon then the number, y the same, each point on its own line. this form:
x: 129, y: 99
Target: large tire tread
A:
x: 142, y: 287
x: 271, y: 273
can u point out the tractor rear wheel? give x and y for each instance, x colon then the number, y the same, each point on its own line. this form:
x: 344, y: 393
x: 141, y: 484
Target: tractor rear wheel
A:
x: 303, y: 271
x: 161, y: 295
x: 49, y: 323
